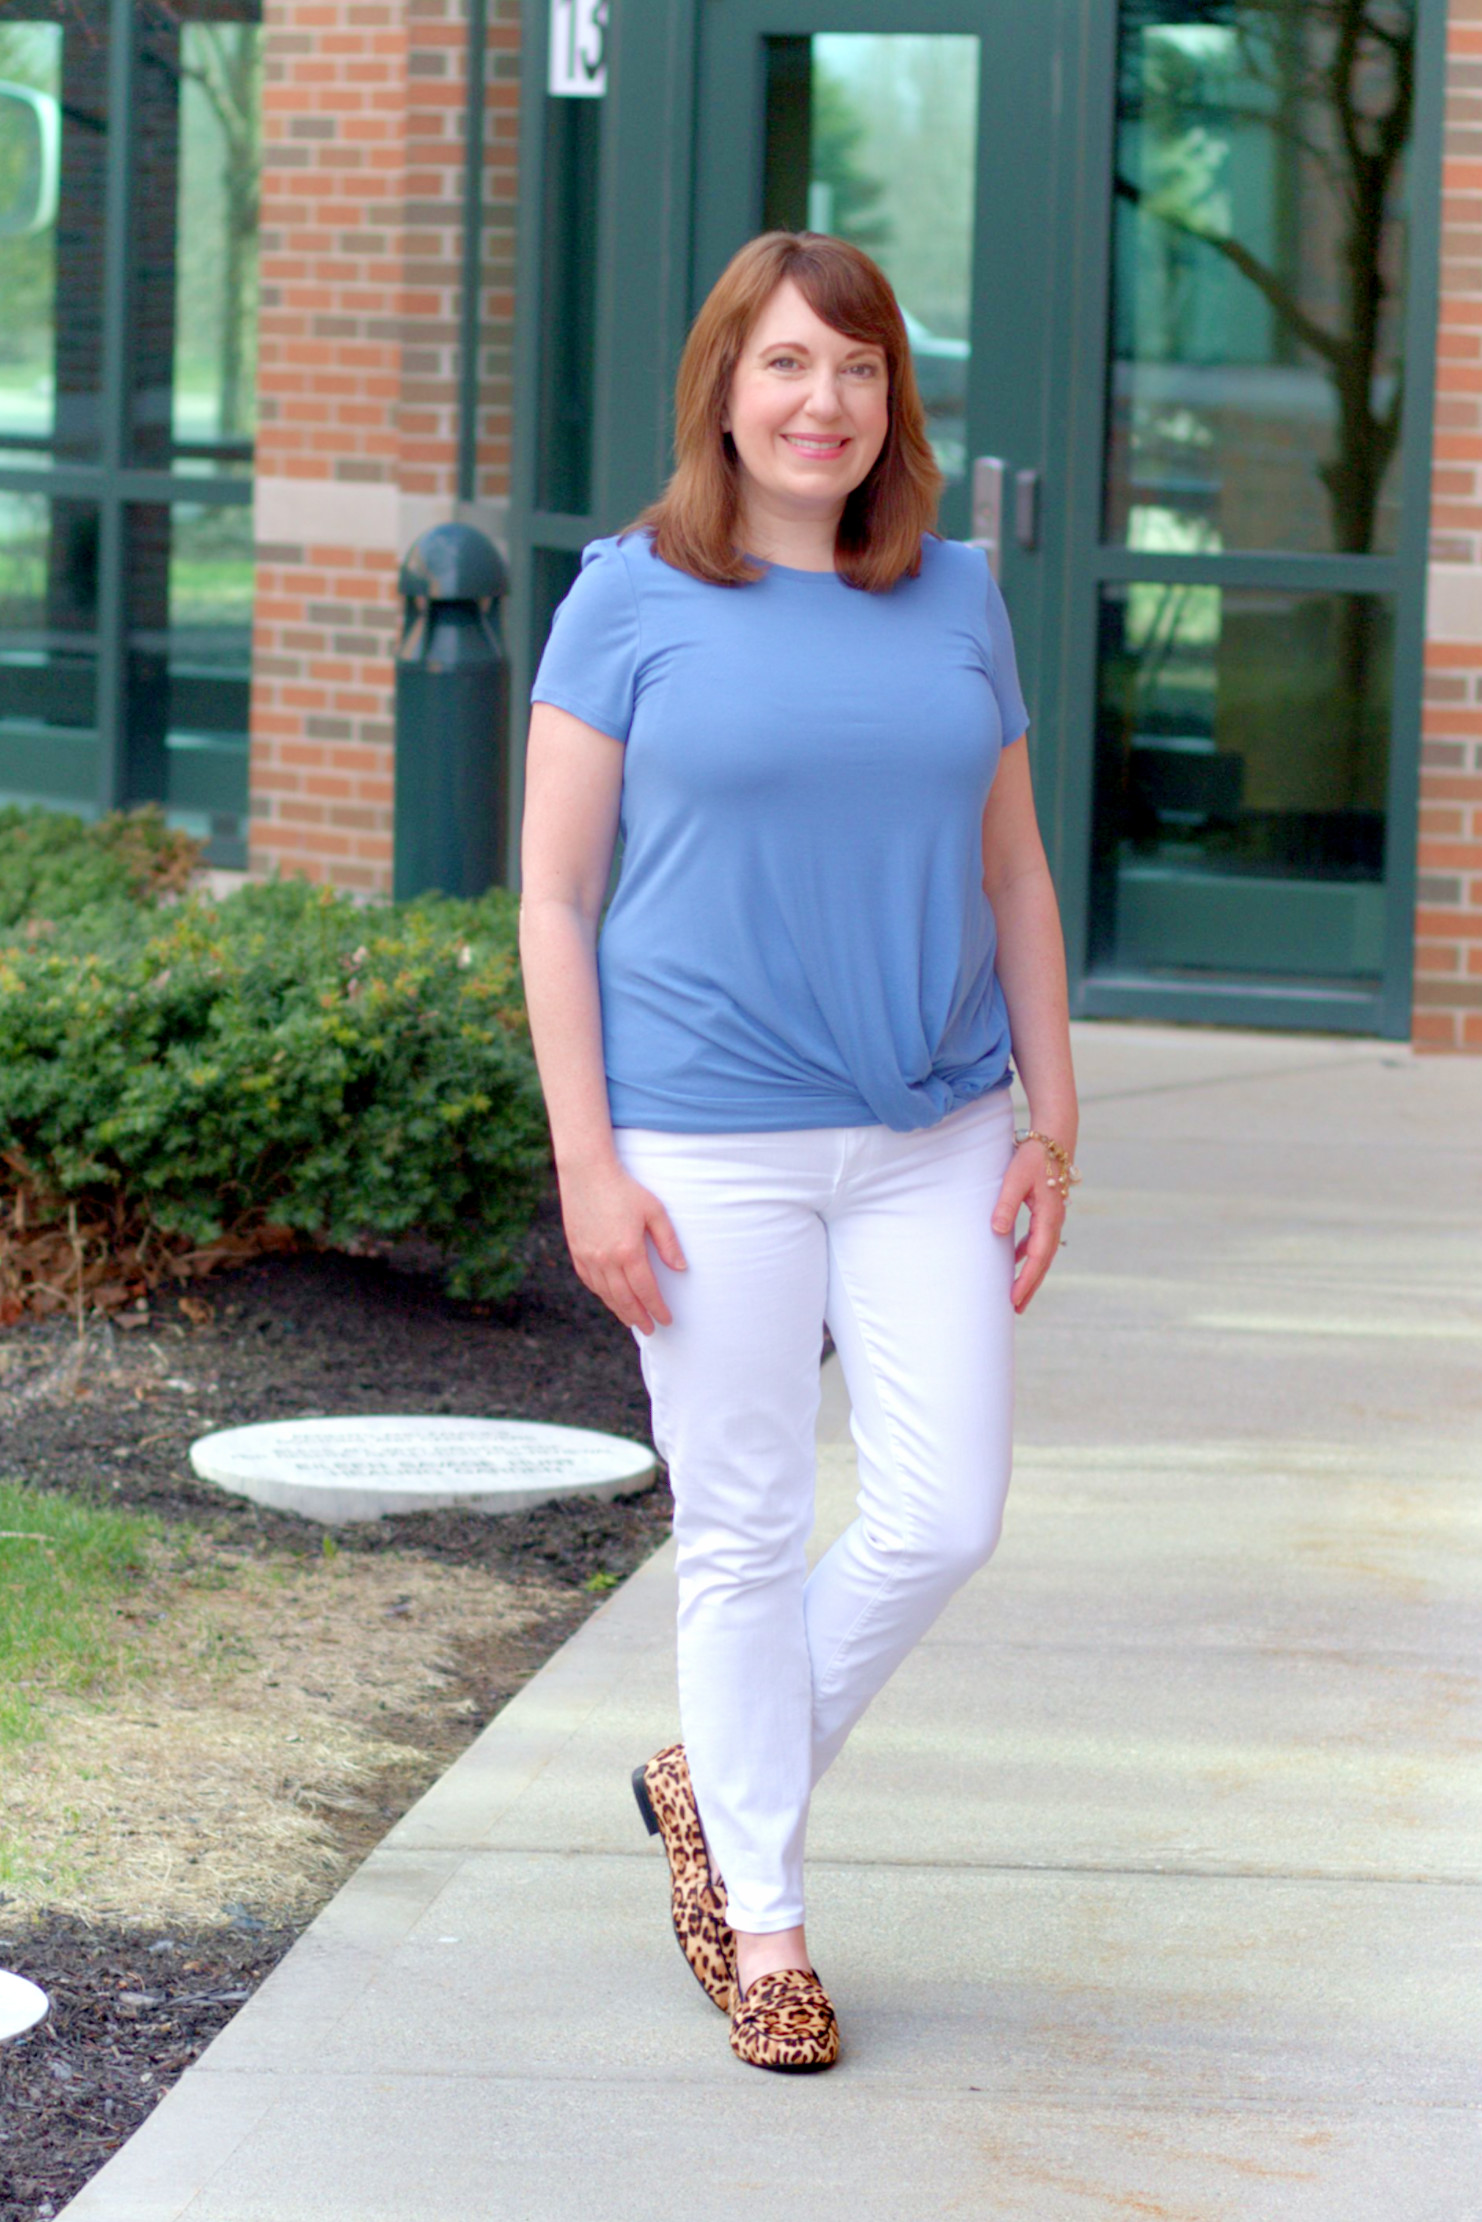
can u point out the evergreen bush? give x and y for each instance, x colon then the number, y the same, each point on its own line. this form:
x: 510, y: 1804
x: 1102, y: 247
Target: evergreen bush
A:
x: 182, y: 1085
x: 54, y: 867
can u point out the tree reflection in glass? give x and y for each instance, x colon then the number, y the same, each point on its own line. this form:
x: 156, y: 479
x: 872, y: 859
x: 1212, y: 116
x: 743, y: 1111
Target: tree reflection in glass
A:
x: 1257, y: 368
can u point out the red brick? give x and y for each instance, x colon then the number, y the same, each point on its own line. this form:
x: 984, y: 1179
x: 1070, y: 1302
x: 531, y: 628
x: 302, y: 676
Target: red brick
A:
x: 1434, y: 1030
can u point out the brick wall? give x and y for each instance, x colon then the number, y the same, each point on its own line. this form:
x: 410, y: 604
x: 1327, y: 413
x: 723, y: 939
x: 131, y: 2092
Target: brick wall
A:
x: 1448, y: 926
x: 363, y: 115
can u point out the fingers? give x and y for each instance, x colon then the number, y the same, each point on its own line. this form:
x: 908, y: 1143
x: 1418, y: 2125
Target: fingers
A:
x: 1036, y: 1253
x: 639, y: 1286
x: 627, y: 1286
x: 644, y: 1291
x: 1018, y: 1186
x: 665, y: 1240
x: 1025, y: 1183
x: 608, y: 1233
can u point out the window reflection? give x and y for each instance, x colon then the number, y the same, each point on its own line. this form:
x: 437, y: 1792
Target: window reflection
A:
x: 53, y: 105
x: 195, y: 211
x: 48, y: 651
x: 873, y: 138
x: 216, y: 250
x: 189, y: 665
x: 1242, y: 762
x: 1258, y: 266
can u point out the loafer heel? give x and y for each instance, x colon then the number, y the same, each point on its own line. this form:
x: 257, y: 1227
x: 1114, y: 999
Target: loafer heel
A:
x: 645, y: 1802
x: 697, y: 1906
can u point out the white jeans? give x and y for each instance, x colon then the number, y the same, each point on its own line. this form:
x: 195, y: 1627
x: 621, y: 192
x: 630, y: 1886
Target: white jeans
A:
x: 887, y: 1237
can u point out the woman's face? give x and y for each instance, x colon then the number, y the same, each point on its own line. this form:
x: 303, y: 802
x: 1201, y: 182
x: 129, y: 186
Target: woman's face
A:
x: 808, y: 409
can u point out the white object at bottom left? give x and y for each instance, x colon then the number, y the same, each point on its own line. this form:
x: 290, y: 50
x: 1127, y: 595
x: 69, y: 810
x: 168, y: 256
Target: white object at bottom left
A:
x: 21, y: 2005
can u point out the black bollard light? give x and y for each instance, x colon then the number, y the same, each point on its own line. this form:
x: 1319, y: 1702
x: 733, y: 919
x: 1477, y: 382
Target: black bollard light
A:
x: 452, y: 717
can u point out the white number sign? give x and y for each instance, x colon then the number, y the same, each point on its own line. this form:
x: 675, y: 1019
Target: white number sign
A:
x: 578, y: 66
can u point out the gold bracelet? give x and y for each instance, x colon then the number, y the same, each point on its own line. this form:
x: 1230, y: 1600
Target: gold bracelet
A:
x: 1060, y: 1173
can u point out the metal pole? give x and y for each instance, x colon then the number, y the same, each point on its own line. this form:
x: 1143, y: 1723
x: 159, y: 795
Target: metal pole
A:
x: 473, y: 240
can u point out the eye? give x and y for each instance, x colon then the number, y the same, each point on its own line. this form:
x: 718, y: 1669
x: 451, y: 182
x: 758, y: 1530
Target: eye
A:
x: 866, y: 370
x: 780, y: 362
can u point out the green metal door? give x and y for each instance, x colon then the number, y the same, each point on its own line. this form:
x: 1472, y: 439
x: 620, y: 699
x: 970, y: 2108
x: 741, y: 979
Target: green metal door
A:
x: 931, y: 134
x: 1245, y: 614
x: 1169, y: 272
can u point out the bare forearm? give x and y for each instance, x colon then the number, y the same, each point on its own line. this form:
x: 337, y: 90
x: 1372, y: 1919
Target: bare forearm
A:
x: 558, y: 953
x: 1031, y: 970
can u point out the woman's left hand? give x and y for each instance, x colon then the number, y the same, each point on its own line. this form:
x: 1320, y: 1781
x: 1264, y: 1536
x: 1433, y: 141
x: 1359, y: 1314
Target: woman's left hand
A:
x: 1027, y: 1182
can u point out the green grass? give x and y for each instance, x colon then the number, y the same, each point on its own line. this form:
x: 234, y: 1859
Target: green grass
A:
x: 65, y: 1568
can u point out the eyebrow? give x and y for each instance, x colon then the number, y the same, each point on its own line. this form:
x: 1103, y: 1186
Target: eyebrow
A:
x: 800, y: 347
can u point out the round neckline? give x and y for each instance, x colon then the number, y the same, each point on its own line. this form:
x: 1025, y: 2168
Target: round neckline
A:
x: 791, y: 570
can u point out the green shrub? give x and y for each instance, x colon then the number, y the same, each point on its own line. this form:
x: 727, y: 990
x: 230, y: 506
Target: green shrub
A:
x: 55, y: 867
x: 181, y: 1085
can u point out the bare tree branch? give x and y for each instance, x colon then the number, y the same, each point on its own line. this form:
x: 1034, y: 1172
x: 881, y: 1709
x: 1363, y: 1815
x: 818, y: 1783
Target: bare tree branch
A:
x: 1266, y: 282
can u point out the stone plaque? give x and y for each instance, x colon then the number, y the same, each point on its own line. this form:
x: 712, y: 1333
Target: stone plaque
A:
x: 364, y: 1467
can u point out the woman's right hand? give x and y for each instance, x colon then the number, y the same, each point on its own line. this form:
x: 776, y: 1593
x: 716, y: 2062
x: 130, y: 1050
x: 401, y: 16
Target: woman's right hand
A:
x: 609, y: 1220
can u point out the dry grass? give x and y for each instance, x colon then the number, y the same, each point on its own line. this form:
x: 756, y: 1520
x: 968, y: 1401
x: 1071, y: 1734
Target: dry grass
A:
x: 276, y: 1715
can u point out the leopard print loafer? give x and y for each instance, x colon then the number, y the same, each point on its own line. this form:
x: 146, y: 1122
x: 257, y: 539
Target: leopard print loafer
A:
x: 666, y: 1799
x: 785, y: 2021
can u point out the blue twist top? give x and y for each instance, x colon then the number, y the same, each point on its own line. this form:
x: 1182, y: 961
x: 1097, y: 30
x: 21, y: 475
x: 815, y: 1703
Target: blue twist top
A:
x: 799, y: 936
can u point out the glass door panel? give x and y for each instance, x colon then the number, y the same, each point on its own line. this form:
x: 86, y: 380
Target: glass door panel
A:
x: 214, y: 384
x: 873, y: 137
x: 189, y: 666
x: 1258, y: 276
x: 194, y: 303
x: 53, y: 138
x: 48, y: 650
x: 924, y: 131
x: 1242, y: 766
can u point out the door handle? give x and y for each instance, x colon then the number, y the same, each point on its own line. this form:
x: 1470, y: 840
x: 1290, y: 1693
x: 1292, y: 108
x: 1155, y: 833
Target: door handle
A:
x: 990, y: 483
x: 1026, y: 508
x: 989, y: 474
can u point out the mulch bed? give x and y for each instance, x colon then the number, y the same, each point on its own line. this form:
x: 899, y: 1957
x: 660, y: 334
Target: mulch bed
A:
x: 112, y: 1418
x: 129, y: 2013
x: 321, y: 1332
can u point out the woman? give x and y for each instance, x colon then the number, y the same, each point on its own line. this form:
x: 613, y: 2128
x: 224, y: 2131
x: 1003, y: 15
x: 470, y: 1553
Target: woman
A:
x: 779, y: 1090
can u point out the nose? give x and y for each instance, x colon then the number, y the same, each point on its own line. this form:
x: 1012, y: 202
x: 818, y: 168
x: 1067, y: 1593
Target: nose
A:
x: 823, y: 400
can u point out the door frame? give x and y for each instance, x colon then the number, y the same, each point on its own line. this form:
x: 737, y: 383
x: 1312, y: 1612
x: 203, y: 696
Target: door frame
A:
x: 1071, y: 697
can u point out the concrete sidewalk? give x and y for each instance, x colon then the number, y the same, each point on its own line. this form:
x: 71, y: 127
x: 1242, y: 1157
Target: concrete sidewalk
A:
x: 1150, y: 1888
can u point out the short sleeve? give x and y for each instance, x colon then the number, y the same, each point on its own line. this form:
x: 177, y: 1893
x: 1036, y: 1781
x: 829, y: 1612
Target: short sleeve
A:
x: 590, y: 662
x: 1005, y: 669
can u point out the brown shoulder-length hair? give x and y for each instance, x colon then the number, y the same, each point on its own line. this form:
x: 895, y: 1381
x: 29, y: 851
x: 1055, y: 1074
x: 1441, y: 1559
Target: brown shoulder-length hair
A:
x: 695, y: 520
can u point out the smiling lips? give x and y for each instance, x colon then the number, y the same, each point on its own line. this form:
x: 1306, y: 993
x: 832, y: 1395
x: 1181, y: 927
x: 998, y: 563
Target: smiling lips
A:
x: 805, y: 446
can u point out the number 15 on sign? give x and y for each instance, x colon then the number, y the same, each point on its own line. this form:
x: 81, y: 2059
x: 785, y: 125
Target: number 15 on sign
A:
x: 578, y: 48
